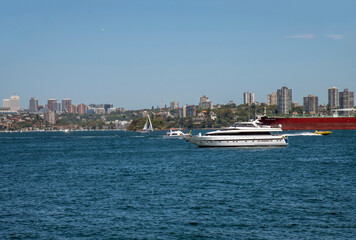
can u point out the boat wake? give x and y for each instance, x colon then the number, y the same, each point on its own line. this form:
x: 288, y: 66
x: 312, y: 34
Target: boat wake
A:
x: 301, y: 134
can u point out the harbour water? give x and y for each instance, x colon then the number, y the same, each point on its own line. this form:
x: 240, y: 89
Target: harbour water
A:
x: 121, y: 185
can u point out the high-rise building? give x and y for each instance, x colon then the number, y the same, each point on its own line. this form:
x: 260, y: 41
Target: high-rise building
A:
x: 66, y: 104
x: 15, y: 103
x: 346, y: 100
x: 191, y: 110
x: 82, y: 109
x: 6, y: 103
x: 203, y: 99
x: 49, y: 104
x: 249, y: 98
x: 107, y: 106
x: 174, y: 105
x: 50, y: 117
x: 72, y: 109
x: 272, y: 99
x: 284, y: 100
x: 188, y: 110
x: 33, y: 105
x: 183, y: 112
x: 333, y: 97
x: 205, y: 103
x: 311, y: 104
x: 56, y: 106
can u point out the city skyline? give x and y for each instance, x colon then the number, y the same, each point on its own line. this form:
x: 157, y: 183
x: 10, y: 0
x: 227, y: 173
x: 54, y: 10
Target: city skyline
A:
x: 65, y: 105
x: 134, y: 54
x: 282, y: 98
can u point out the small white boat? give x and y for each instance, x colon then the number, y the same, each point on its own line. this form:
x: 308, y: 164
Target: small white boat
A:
x: 148, y: 127
x: 175, y: 133
x: 245, y: 134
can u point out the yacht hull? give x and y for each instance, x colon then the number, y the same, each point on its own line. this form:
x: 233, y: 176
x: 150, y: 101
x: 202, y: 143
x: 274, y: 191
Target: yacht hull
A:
x: 174, y: 137
x: 231, y: 141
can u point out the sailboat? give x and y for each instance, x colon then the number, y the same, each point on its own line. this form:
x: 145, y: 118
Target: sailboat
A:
x: 148, y: 126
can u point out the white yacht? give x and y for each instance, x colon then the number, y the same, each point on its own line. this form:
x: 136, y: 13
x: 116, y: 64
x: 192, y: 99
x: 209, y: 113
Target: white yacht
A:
x: 175, y: 133
x: 148, y: 126
x: 243, y: 134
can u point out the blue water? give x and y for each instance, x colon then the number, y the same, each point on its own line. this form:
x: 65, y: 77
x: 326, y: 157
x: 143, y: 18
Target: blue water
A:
x: 120, y: 185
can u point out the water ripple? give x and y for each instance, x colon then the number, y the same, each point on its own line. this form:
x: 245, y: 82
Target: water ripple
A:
x: 121, y: 185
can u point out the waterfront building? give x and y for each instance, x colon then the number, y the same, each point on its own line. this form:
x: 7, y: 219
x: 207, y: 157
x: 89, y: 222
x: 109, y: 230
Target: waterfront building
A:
x: 56, y: 106
x: 66, y: 104
x: 15, y: 103
x: 333, y: 97
x: 49, y: 104
x: 310, y: 104
x: 249, y: 98
x: 272, y: 99
x: 284, y: 100
x: 82, y: 109
x: 50, y: 117
x: 6, y: 103
x: 346, y: 100
x: 33, y: 105
x: 174, y: 105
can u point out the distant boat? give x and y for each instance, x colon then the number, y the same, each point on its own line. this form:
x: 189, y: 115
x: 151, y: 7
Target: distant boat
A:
x: 148, y: 126
x: 175, y: 133
x: 322, y: 132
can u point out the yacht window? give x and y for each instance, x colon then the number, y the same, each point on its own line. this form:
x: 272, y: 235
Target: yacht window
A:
x: 244, y: 125
x: 221, y: 133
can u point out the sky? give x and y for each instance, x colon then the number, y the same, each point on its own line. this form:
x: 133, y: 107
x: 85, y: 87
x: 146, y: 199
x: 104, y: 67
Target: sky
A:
x: 138, y: 54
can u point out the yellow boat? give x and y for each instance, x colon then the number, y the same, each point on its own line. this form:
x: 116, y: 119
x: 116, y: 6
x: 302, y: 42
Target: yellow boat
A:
x: 322, y: 132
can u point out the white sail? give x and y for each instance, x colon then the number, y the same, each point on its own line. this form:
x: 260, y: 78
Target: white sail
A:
x: 145, y: 127
x: 150, y: 128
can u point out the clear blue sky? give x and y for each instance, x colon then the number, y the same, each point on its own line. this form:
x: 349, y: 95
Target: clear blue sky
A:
x: 135, y: 53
